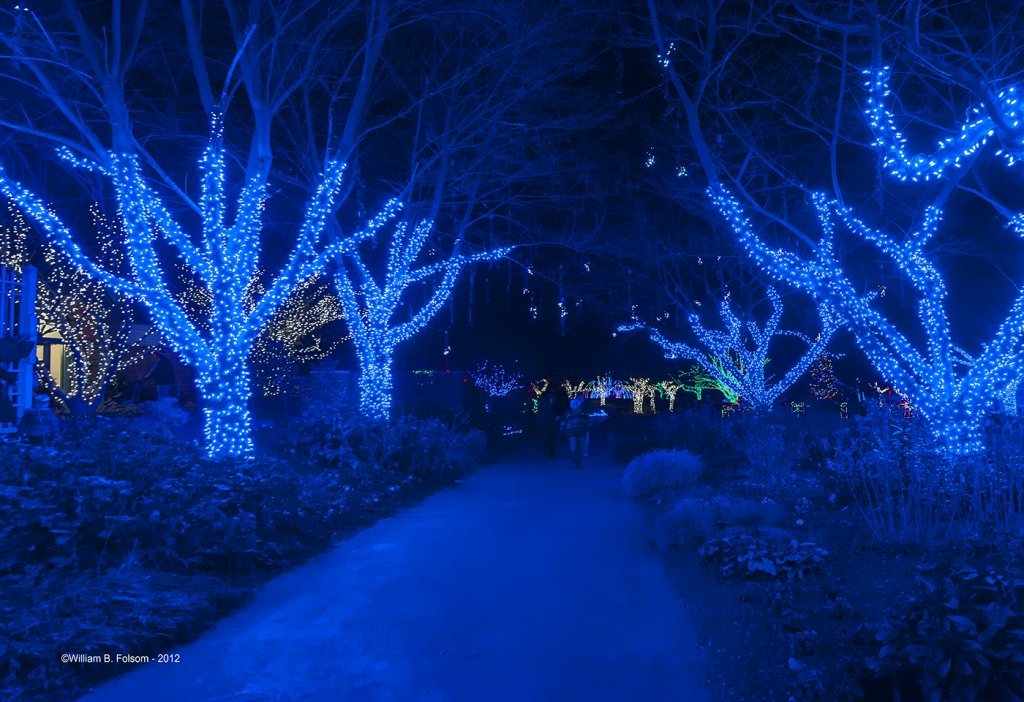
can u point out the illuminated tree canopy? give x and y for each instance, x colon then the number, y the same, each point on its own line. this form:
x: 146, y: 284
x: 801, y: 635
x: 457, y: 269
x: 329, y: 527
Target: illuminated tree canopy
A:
x: 224, y: 257
x: 737, y: 356
x: 373, y: 304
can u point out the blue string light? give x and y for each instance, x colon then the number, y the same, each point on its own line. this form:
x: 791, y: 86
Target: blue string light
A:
x: 952, y: 389
x: 737, y: 356
x: 952, y: 151
x: 495, y: 380
x: 371, y: 306
x: 224, y: 261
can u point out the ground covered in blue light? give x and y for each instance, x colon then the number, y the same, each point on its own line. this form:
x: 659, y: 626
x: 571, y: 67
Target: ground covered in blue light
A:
x: 527, y: 581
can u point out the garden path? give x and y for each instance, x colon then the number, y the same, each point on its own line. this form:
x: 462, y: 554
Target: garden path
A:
x: 527, y: 581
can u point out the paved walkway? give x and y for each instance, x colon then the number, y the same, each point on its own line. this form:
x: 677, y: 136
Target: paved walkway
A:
x: 528, y: 582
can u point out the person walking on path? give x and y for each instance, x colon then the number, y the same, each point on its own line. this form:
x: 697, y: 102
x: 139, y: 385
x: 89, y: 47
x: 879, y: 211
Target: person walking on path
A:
x: 576, y: 425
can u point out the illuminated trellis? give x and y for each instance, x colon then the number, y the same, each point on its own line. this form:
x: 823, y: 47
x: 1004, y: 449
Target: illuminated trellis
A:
x: 736, y: 356
x: 223, y: 256
x: 372, y: 303
x: 537, y: 390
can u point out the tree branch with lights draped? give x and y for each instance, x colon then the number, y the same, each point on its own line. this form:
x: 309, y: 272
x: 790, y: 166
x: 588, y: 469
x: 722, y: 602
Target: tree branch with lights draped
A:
x: 737, y: 356
x: 372, y: 304
x: 223, y: 256
x: 951, y: 388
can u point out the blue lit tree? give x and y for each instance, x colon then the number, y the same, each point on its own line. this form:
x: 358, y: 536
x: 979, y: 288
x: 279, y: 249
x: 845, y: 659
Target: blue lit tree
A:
x: 952, y: 388
x: 737, y: 356
x: 765, y: 165
x: 373, y: 304
x: 224, y: 257
x: 76, y: 94
x: 495, y: 380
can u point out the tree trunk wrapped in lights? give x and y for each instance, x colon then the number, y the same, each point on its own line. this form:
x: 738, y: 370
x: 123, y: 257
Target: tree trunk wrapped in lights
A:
x: 951, y: 388
x: 371, y: 304
x: 669, y: 389
x: 640, y: 390
x: 574, y: 390
x: 602, y: 388
x: 224, y: 258
x: 736, y: 357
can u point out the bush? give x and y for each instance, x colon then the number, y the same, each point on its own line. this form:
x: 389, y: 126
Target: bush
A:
x: 741, y: 555
x: 428, y: 449
x: 689, y: 519
x: 661, y: 471
x: 908, y: 492
x: 960, y: 638
x: 125, y: 531
x: 695, y: 519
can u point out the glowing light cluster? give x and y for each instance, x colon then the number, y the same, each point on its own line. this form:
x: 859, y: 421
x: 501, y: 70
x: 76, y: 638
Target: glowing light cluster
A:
x: 642, y: 392
x: 951, y: 151
x: 736, y: 356
x: 495, y: 380
x: 952, y: 389
x: 537, y: 390
x: 573, y: 390
x: 823, y: 378
x: 603, y: 387
x: 93, y: 324
x: 371, y: 304
x: 295, y: 334
x: 222, y: 256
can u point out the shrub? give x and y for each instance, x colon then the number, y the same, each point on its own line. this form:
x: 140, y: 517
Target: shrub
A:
x: 741, y: 555
x: 696, y: 519
x: 428, y: 449
x: 688, y: 519
x: 661, y: 471
x: 764, y: 446
x: 126, y: 531
x: 960, y: 638
x: 909, y: 493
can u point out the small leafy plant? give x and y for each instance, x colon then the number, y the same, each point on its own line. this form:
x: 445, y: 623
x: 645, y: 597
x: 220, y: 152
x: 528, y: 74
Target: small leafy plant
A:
x: 742, y: 555
x: 961, y: 637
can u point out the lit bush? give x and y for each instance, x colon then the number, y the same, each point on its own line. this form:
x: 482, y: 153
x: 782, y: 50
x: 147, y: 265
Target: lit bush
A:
x: 660, y: 472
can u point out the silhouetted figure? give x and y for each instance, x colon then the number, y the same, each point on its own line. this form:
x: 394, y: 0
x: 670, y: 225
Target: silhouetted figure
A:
x: 547, y: 419
x: 8, y: 415
x: 576, y: 424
